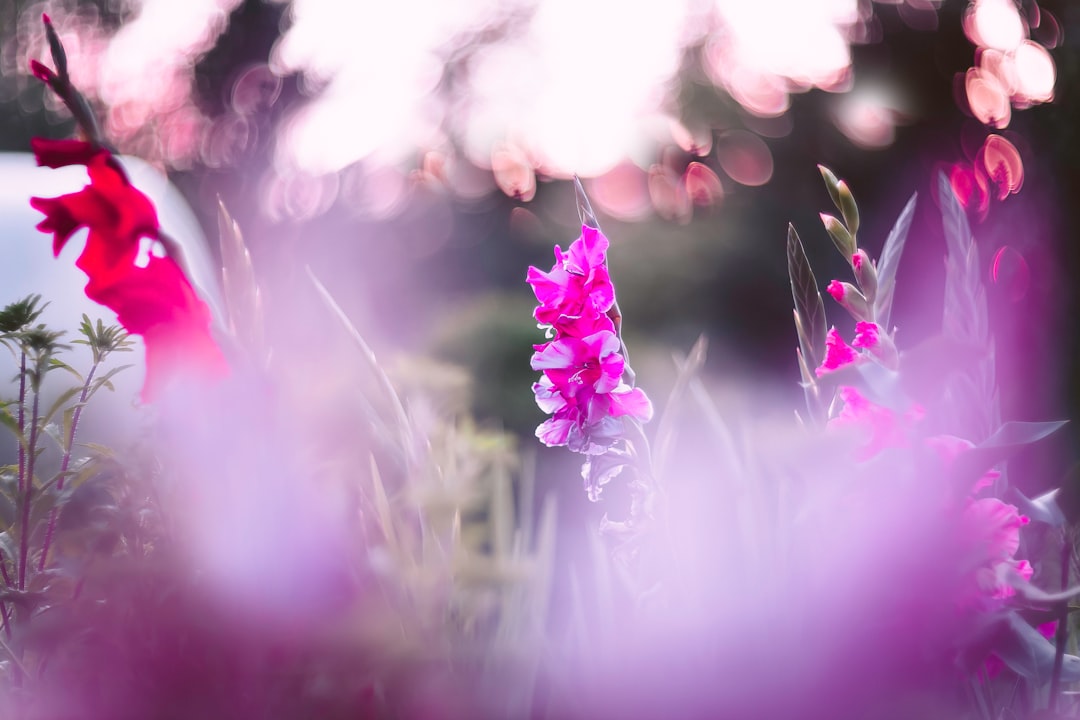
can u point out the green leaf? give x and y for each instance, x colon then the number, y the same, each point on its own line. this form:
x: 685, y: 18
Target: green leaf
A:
x: 105, y: 380
x: 1044, y: 509
x: 11, y: 423
x: 1003, y: 444
x: 401, y: 418
x: 808, y: 303
x: 665, y: 428
x: 59, y: 403
x: 889, y: 261
x: 1028, y: 653
x: 58, y: 364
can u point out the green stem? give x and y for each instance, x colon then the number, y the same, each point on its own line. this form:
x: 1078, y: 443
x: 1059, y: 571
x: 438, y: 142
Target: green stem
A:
x: 69, y: 445
x: 22, y: 423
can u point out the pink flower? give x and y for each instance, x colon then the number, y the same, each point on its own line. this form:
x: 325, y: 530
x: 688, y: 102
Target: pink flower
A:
x: 849, y: 298
x: 881, y: 427
x: 866, y: 335
x: 590, y: 364
x: 991, y: 537
x: 950, y: 447
x: 582, y: 387
x: 587, y: 421
x: 837, y: 353
x: 577, y: 291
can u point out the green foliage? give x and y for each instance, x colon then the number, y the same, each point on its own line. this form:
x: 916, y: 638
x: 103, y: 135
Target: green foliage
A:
x: 32, y: 502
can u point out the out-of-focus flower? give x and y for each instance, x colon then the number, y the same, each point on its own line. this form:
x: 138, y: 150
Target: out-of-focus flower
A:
x: 882, y: 427
x: 950, y: 447
x: 128, y: 269
x: 992, y: 537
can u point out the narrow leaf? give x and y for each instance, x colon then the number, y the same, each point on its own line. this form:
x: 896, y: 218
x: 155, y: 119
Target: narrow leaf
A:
x: 1028, y: 653
x: 1003, y: 444
x: 585, y: 211
x: 665, y: 429
x: 808, y: 303
x: 890, y: 261
x: 59, y: 403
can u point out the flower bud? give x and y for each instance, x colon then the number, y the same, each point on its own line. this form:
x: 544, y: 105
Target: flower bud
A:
x: 848, y: 208
x: 866, y: 274
x: 55, y: 47
x: 850, y: 299
x: 841, y: 238
x: 831, y: 184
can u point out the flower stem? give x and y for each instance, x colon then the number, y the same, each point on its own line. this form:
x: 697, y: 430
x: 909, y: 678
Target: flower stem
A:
x: 22, y: 423
x: 65, y: 463
x: 28, y: 496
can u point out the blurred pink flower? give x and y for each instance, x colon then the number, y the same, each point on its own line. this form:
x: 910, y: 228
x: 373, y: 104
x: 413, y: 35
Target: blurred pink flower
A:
x: 950, y: 447
x: 882, y: 427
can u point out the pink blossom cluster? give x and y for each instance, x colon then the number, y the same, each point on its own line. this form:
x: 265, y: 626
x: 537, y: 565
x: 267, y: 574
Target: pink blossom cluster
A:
x: 988, y: 529
x: 582, y: 385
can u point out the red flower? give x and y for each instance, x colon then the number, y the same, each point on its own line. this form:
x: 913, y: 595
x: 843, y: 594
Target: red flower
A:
x: 128, y: 273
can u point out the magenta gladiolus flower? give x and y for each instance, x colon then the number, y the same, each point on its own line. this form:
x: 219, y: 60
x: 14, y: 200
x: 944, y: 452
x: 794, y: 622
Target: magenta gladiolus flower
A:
x: 866, y: 335
x: 577, y: 291
x: 837, y: 353
x: 582, y: 385
x: 591, y: 364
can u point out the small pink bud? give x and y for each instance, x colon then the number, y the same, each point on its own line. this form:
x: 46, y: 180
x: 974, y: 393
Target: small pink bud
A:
x: 46, y: 19
x: 41, y: 72
x: 865, y: 273
x: 849, y: 298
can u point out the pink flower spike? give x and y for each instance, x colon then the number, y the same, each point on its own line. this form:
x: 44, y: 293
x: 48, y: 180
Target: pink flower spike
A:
x: 837, y: 353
